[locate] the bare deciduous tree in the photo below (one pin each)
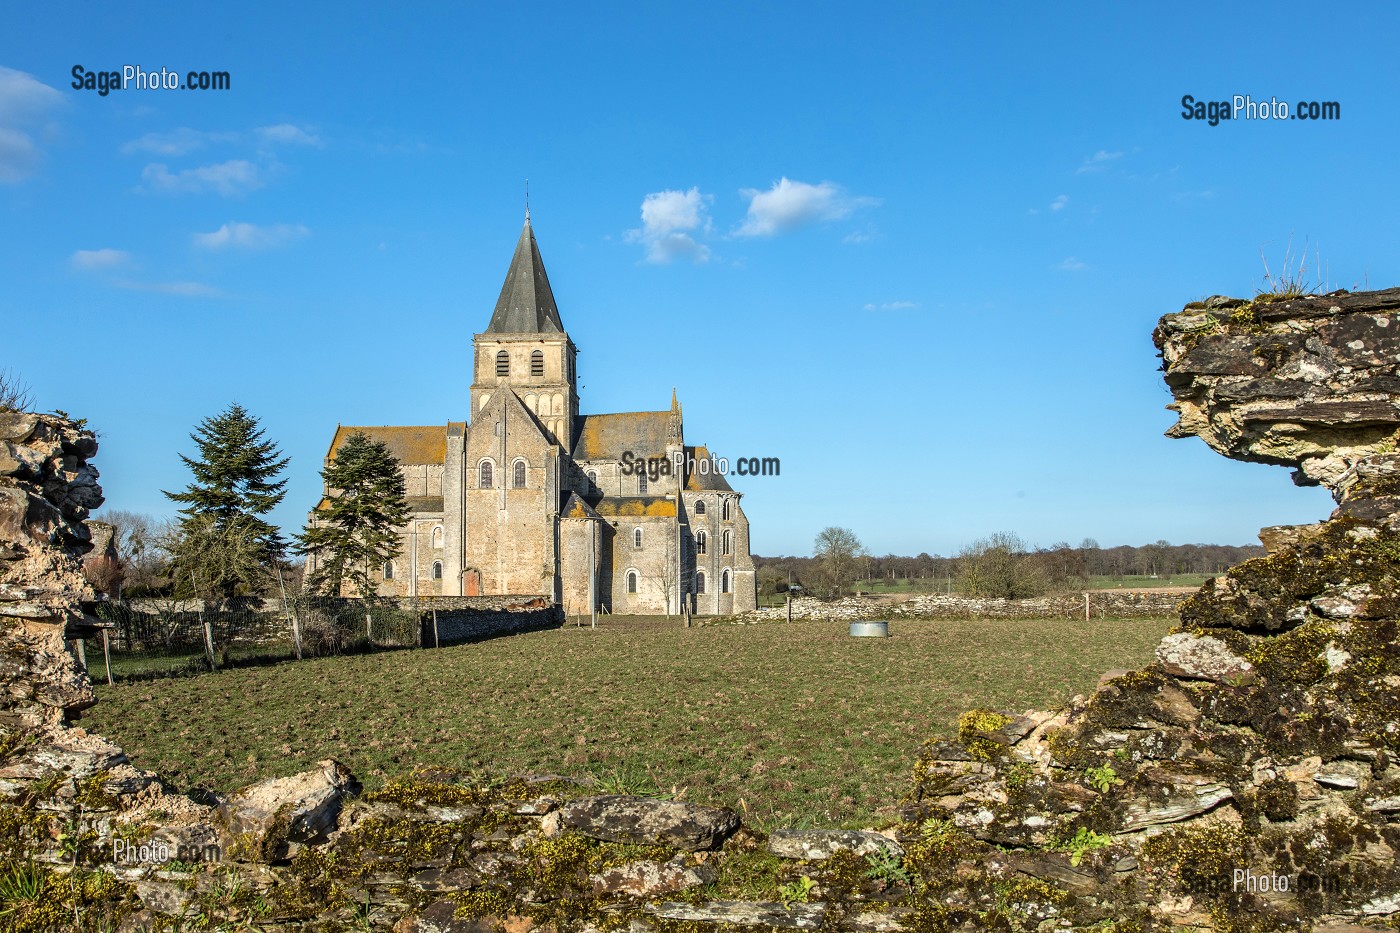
(1000, 565)
(15, 394)
(139, 541)
(839, 551)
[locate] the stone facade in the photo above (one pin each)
(529, 494)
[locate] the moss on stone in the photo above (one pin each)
(1196, 858)
(974, 732)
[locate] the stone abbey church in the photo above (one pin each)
(530, 497)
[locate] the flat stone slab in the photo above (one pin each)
(1201, 657)
(1177, 797)
(818, 844)
(617, 818)
(650, 879)
(746, 914)
(274, 819)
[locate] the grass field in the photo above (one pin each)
(793, 724)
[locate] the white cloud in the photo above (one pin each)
(235, 176)
(891, 306)
(93, 259)
(25, 105)
(19, 156)
(1070, 264)
(184, 140)
(668, 220)
(289, 134)
(250, 236)
(177, 142)
(1059, 203)
(182, 289)
(792, 204)
(1098, 161)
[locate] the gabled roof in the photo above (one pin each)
(407, 444)
(526, 304)
(606, 437)
(577, 507)
(703, 482)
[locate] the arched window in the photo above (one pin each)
(593, 477)
(724, 510)
(485, 470)
(388, 570)
(518, 480)
(641, 484)
(437, 536)
(631, 581)
(700, 582)
(700, 507)
(537, 363)
(727, 542)
(701, 539)
(724, 582)
(503, 363)
(636, 537)
(437, 570)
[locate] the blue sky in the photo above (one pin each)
(916, 253)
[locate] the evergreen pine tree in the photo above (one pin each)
(356, 529)
(224, 545)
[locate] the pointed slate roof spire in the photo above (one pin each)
(526, 305)
(673, 420)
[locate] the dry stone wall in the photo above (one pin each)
(1245, 781)
(936, 606)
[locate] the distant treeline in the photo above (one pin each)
(1059, 565)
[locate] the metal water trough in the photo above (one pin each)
(870, 629)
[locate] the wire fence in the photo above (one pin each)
(152, 638)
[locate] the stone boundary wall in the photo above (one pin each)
(460, 619)
(1103, 604)
(155, 604)
(458, 626)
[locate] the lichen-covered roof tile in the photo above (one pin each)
(576, 507)
(637, 507)
(607, 437)
(703, 482)
(407, 444)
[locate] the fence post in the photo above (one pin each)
(291, 617)
(1086, 607)
(107, 656)
(437, 641)
(208, 638)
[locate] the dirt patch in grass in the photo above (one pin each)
(792, 724)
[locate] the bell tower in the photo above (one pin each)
(525, 348)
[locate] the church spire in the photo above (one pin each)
(526, 304)
(673, 422)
